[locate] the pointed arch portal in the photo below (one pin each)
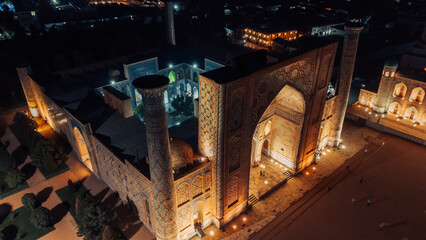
(82, 148)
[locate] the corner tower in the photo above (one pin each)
(352, 31)
(160, 165)
(384, 93)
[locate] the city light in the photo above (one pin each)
(235, 226)
(266, 181)
(343, 146)
(314, 168)
(195, 65)
(307, 173)
(244, 219)
(211, 233)
(170, 65)
(112, 82)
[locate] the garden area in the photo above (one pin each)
(94, 222)
(31, 221)
(45, 154)
(12, 179)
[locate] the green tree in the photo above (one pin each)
(41, 218)
(91, 217)
(184, 105)
(45, 154)
(7, 163)
(109, 233)
(24, 128)
(29, 200)
(14, 178)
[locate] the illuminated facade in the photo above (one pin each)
(182, 179)
(264, 39)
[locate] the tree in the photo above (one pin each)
(109, 233)
(41, 217)
(45, 154)
(24, 128)
(91, 217)
(184, 105)
(29, 200)
(14, 178)
(7, 163)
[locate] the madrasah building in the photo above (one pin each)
(395, 104)
(181, 178)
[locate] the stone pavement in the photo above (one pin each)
(45, 191)
(354, 139)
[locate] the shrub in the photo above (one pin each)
(14, 178)
(41, 217)
(45, 154)
(7, 163)
(24, 128)
(29, 200)
(91, 217)
(109, 233)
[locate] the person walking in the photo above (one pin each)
(353, 200)
(361, 179)
(368, 202)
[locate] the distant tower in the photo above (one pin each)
(160, 165)
(384, 93)
(352, 31)
(170, 23)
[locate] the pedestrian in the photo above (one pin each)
(361, 179)
(368, 202)
(328, 189)
(353, 200)
(347, 166)
(260, 172)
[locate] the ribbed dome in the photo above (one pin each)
(181, 153)
(391, 63)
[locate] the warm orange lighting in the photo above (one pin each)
(314, 168)
(244, 219)
(235, 226)
(307, 173)
(266, 181)
(211, 233)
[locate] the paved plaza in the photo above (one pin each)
(393, 179)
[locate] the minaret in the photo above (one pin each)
(384, 93)
(352, 31)
(170, 23)
(160, 166)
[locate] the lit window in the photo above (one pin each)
(33, 13)
(386, 74)
(392, 74)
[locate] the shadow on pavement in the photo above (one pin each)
(10, 232)
(44, 194)
(126, 220)
(101, 195)
(59, 211)
(5, 209)
(29, 170)
(20, 154)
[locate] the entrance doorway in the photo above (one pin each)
(275, 142)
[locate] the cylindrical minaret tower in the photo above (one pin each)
(157, 137)
(384, 93)
(170, 23)
(352, 31)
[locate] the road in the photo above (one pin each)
(394, 179)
